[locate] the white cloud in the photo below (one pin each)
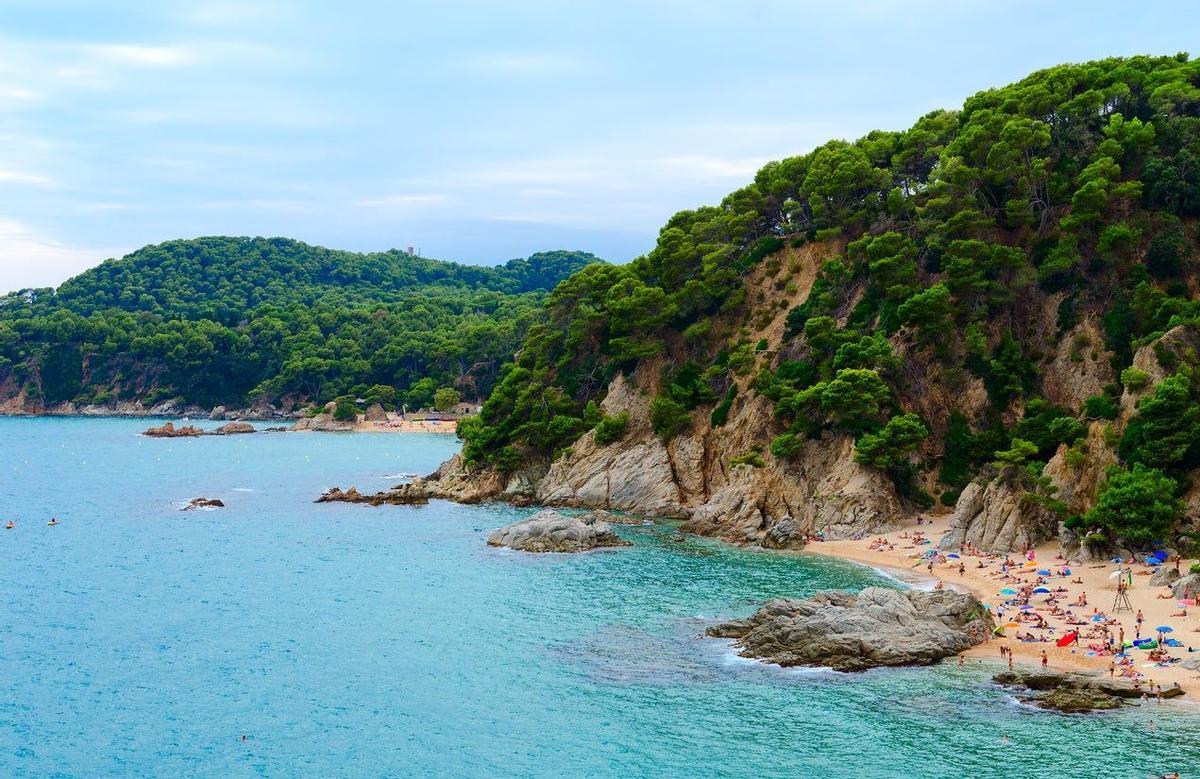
(30, 259)
(31, 179)
(716, 167)
(403, 200)
(140, 55)
(522, 64)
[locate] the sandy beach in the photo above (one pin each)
(444, 426)
(901, 555)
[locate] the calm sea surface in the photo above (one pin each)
(341, 640)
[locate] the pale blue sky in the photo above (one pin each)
(478, 131)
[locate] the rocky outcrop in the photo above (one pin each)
(217, 414)
(410, 494)
(375, 413)
(1165, 576)
(168, 430)
(784, 533)
(453, 480)
(1080, 366)
(1072, 692)
(324, 423)
(1187, 586)
(234, 428)
(1180, 341)
(847, 632)
(998, 517)
(1079, 475)
(204, 503)
(550, 531)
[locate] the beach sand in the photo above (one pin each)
(986, 583)
(444, 426)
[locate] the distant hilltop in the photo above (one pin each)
(245, 322)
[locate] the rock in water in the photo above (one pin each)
(847, 632)
(168, 430)
(550, 531)
(401, 495)
(201, 503)
(234, 428)
(1074, 693)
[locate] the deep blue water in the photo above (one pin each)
(345, 640)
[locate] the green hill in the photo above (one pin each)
(238, 320)
(969, 291)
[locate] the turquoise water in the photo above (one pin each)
(344, 640)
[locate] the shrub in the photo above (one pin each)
(345, 409)
(721, 413)
(668, 417)
(1139, 505)
(752, 458)
(786, 445)
(1134, 378)
(892, 445)
(1100, 407)
(610, 429)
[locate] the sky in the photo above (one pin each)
(473, 131)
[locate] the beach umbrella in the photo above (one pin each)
(1115, 574)
(1043, 572)
(1030, 564)
(1008, 591)
(1164, 629)
(1098, 618)
(1027, 608)
(1041, 590)
(952, 556)
(1160, 555)
(1066, 571)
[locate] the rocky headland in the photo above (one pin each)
(1073, 692)
(849, 632)
(400, 495)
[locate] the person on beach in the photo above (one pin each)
(1045, 659)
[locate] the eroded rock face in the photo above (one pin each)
(1079, 482)
(550, 531)
(1186, 587)
(847, 632)
(998, 518)
(1074, 693)
(375, 413)
(411, 494)
(323, 423)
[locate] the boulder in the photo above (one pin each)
(550, 531)
(847, 632)
(783, 534)
(1187, 586)
(234, 428)
(323, 423)
(375, 413)
(217, 414)
(168, 430)
(411, 494)
(1165, 576)
(200, 503)
(600, 515)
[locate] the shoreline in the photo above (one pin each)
(984, 583)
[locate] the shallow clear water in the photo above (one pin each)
(348, 640)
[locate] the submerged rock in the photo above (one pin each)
(1073, 692)
(400, 495)
(550, 531)
(847, 632)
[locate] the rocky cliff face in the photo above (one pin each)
(821, 489)
(999, 517)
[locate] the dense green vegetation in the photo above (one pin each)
(1076, 189)
(237, 320)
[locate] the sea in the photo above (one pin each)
(280, 637)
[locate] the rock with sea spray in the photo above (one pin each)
(848, 632)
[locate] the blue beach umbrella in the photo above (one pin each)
(1027, 608)
(1164, 629)
(1008, 591)
(952, 556)
(1043, 572)
(1041, 590)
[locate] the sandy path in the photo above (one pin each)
(1101, 591)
